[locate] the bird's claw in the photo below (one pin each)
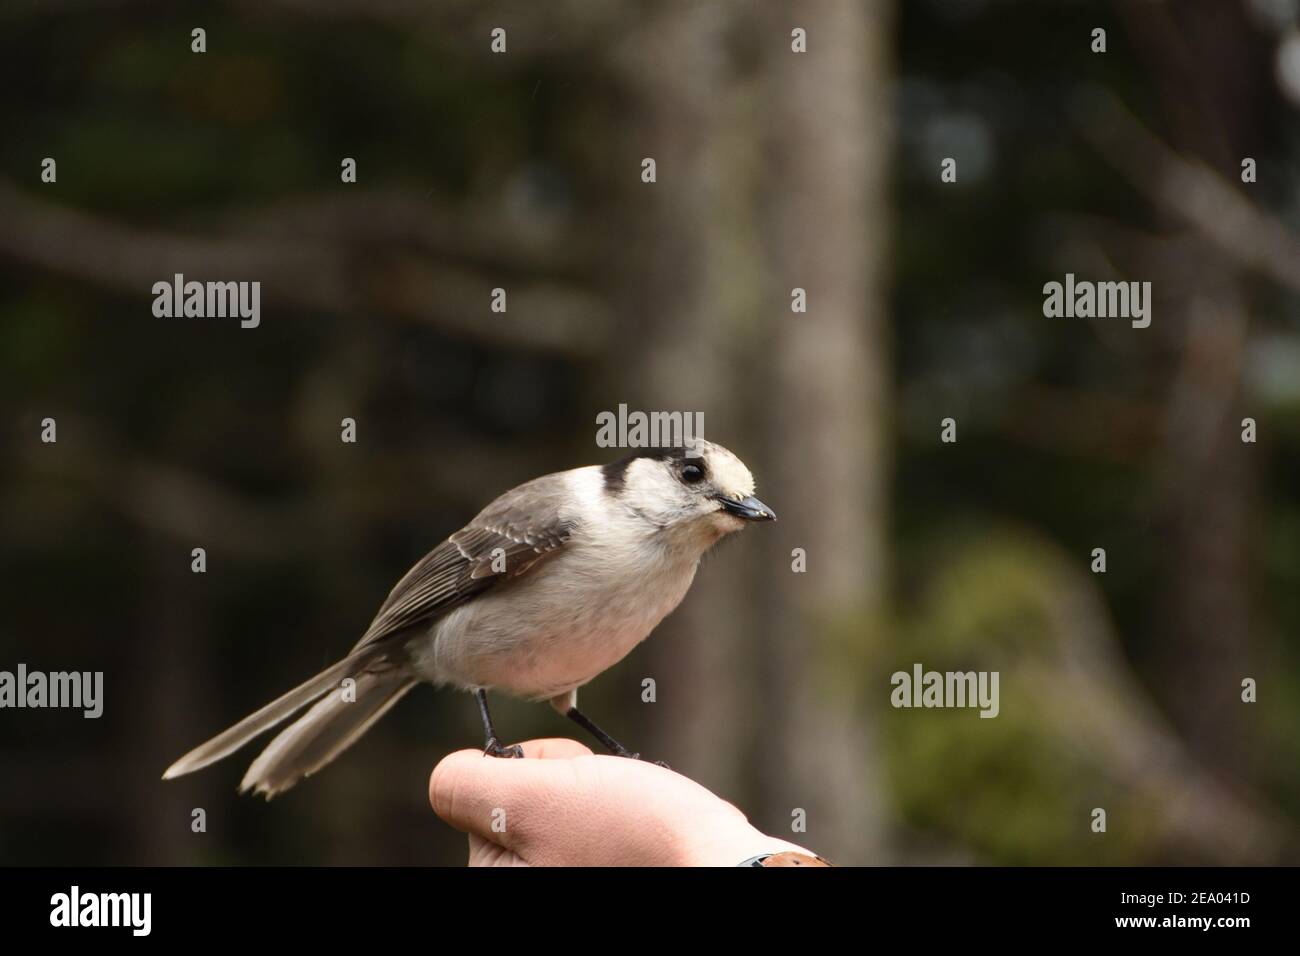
(495, 748)
(631, 756)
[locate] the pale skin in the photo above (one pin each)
(565, 806)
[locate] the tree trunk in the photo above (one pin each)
(829, 136)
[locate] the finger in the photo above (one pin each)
(555, 748)
(460, 778)
(484, 853)
(492, 796)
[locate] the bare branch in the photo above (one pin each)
(1191, 191)
(334, 268)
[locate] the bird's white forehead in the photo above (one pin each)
(728, 472)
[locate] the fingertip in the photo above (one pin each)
(445, 778)
(467, 785)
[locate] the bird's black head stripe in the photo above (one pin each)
(616, 471)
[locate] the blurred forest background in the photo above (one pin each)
(775, 170)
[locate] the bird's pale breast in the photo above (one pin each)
(547, 633)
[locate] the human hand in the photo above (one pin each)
(564, 806)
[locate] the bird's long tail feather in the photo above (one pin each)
(339, 716)
(331, 726)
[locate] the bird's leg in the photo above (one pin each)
(612, 745)
(493, 746)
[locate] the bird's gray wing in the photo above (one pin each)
(508, 538)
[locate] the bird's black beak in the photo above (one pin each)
(751, 509)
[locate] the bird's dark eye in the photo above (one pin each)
(692, 473)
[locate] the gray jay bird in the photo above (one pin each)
(551, 584)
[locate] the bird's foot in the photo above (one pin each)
(624, 752)
(495, 748)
